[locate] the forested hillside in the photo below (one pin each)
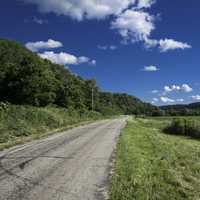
(26, 79)
(179, 110)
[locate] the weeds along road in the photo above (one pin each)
(72, 165)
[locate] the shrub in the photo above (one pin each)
(185, 127)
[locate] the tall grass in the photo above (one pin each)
(186, 127)
(151, 165)
(21, 121)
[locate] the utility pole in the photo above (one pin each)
(92, 98)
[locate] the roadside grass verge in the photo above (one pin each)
(19, 124)
(151, 165)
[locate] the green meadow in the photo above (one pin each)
(151, 164)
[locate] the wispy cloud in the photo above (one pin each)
(150, 68)
(39, 20)
(105, 47)
(36, 20)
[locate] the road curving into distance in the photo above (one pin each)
(72, 165)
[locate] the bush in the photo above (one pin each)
(185, 127)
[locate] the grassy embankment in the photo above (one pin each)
(151, 165)
(19, 124)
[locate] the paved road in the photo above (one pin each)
(73, 165)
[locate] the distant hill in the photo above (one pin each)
(26, 79)
(182, 109)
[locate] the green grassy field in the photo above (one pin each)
(151, 165)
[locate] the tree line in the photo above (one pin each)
(192, 109)
(26, 79)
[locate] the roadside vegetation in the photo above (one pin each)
(22, 123)
(153, 165)
(184, 126)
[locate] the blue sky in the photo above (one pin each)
(147, 48)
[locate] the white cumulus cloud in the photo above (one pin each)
(130, 18)
(180, 100)
(59, 58)
(172, 88)
(184, 88)
(137, 25)
(80, 9)
(166, 100)
(166, 44)
(154, 91)
(196, 97)
(134, 25)
(36, 46)
(170, 44)
(155, 100)
(90, 9)
(63, 58)
(93, 62)
(145, 3)
(150, 68)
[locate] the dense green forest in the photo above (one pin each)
(26, 79)
(192, 109)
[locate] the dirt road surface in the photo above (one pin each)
(72, 165)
